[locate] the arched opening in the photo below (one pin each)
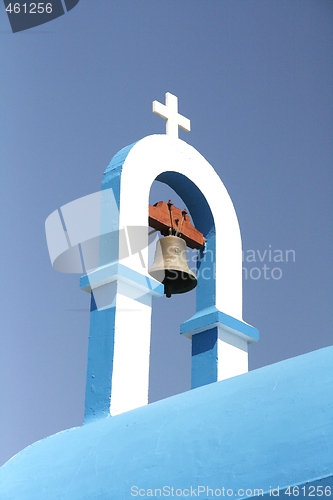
(170, 352)
(170, 355)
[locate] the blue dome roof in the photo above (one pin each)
(270, 427)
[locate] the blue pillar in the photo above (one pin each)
(100, 361)
(204, 358)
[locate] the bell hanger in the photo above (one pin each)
(170, 265)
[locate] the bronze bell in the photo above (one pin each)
(170, 266)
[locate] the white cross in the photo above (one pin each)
(169, 111)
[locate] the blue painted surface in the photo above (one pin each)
(111, 178)
(204, 358)
(100, 360)
(265, 429)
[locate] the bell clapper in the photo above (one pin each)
(170, 205)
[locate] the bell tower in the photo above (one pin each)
(115, 260)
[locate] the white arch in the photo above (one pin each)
(129, 289)
(155, 154)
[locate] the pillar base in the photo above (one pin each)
(219, 345)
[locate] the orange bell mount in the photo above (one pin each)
(165, 216)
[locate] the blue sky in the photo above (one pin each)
(255, 78)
